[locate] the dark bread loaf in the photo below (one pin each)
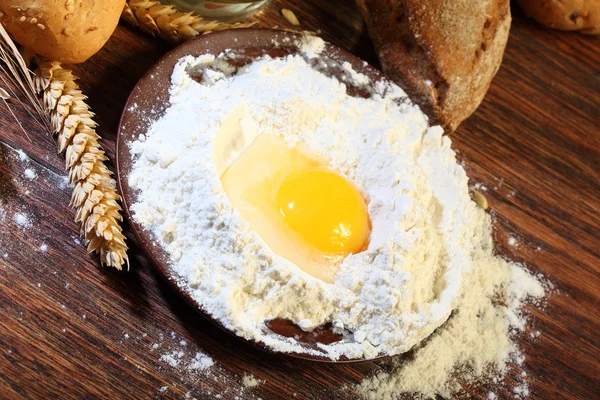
(443, 53)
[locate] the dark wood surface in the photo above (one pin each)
(70, 329)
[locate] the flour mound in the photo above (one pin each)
(385, 299)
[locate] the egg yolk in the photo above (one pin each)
(307, 214)
(326, 209)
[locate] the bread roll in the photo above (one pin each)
(443, 53)
(69, 31)
(566, 15)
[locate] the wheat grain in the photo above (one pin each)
(480, 199)
(166, 22)
(94, 195)
(4, 94)
(290, 16)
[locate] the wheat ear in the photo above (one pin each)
(94, 195)
(170, 24)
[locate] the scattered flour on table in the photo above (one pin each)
(172, 358)
(176, 358)
(477, 344)
(250, 381)
(21, 155)
(200, 362)
(22, 219)
(63, 182)
(30, 174)
(189, 362)
(178, 353)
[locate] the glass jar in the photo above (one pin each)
(224, 10)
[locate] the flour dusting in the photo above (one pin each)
(30, 174)
(22, 156)
(250, 381)
(22, 219)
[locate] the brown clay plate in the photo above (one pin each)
(148, 101)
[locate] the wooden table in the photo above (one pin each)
(71, 329)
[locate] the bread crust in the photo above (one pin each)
(566, 15)
(443, 53)
(69, 31)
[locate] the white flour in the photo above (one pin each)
(250, 381)
(30, 174)
(22, 219)
(385, 299)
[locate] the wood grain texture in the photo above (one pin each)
(70, 329)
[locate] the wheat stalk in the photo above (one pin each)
(65, 112)
(13, 65)
(94, 195)
(167, 22)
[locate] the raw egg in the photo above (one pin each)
(326, 209)
(306, 213)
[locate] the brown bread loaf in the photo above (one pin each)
(443, 53)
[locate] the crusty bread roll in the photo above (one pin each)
(70, 31)
(443, 53)
(566, 15)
